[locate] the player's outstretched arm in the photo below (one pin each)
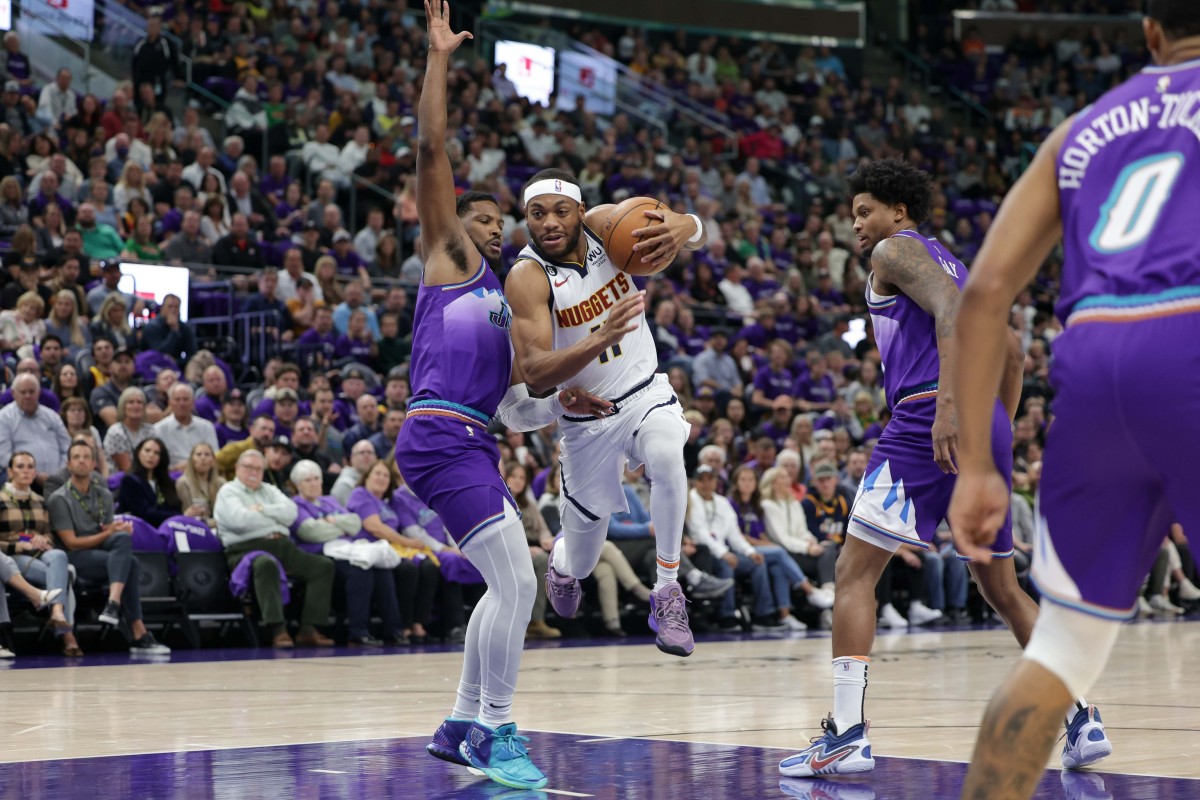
(905, 264)
(440, 226)
(520, 412)
(1027, 227)
(533, 329)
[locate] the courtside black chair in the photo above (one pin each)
(202, 579)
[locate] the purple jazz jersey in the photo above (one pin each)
(1128, 192)
(905, 332)
(904, 496)
(1119, 466)
(461, 368)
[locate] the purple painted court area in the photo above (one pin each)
(623, 769)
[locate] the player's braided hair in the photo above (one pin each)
(893, 182)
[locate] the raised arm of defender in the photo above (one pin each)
(442, 233)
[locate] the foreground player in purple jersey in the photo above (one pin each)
(913, 294)
(462, 375)
(1118, 183)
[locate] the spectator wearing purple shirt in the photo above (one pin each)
(273, 185)
(774, 379)
(287, 411)
(349, 263)
(212, 394)
(232, 427)
(761, 333)
(16, 63)
(357, 342)
(778, 426)
(354, 386)
(828, 298)
(815, 391)
(756, 280)
(317, 345)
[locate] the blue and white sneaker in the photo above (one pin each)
(1086, 742)
(501, 755)
(446, 739)
(825, 790)
(833, 753)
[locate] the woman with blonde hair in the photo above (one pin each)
(24, 245)
(130, 429)
(64, 322)
(325, 271)
(23, 327)
(131, 184)
(197, 487)
(112, 322)
(13, 211)
(787, 526)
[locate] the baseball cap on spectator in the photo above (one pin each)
(29, 263)
(311, 225)
(399, 371)
(286, 396)
(12, 86)
(705, 470)
(281, 441)
(407, 121)
(824, 470)
(122, 351)
(821, 434)
(816, 121)
(354, 372)
(705, 393)
(823, 273)
(341, 236)
(235, 396)
(110, 264)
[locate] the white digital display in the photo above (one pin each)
(152, 283)
(594, 79)
(530, 67)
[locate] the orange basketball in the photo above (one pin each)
(618, 238)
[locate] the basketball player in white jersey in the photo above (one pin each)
(577, 318)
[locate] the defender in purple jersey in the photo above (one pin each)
(463, 375)
(1118, 182)
(913, 293)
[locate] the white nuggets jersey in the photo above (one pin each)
(581, 298)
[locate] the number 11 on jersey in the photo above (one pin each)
(615, 349)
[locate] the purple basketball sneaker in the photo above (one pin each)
(446, 739)
(668, 619)
(564, 592)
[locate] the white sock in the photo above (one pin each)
(466, 702)
(495, 711)
(849, 689)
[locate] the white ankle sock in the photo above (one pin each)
(849, 689)
(466, 702)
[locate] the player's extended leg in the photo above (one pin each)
(1086, 741)
(575, 554)
(844, 747)
(1064, 658)
(495, 638)
(658, 444)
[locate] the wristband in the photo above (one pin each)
(699, 234)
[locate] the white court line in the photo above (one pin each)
(601, 739)
(31, 730)
(330, 771)
(565, 793)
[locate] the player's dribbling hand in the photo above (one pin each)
(977, 510)
(584, 404)
(626, 317)
(660, 243)
(441, 38)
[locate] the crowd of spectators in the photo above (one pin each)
(122, 419)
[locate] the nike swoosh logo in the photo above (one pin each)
(818, 763)
(563, 282)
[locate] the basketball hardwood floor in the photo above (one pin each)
(612, 721)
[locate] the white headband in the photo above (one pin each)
(553, 186)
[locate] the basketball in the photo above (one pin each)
(618, 238)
